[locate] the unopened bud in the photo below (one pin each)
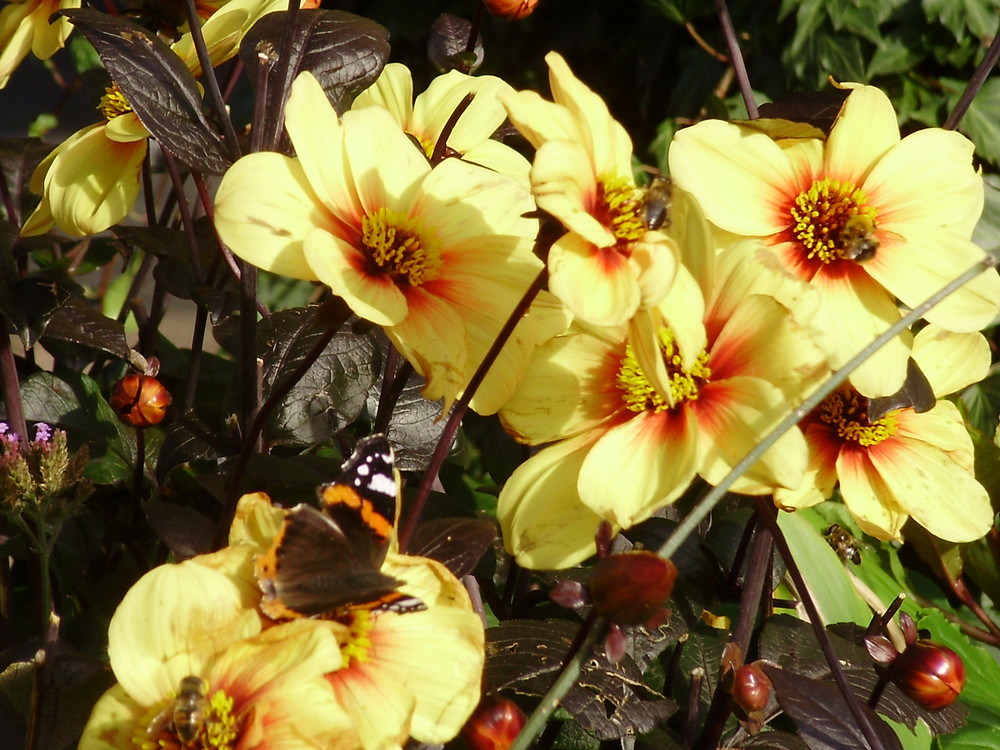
(140, 400)
(751, 688)
(631, 588)
(931, 674)
(493, 725)
(511, 10)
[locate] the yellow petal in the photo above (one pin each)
(92, 184)
(654, 261)
(434, 108)
(568, 388)
(538, 120)
(256, 522)
(929, 259)
(951, 361)
(928, 179)
(393, 91)
(865, 494)
(733, 416)
(114, 721)
(864, 131)
(544, 523)
(605, 139)
(565, 184)
(853, 311)
(385, 166)
(170, 624)
(264, 208)
(339, 265)
(598, 285)
(940, 495)
(435, 656)
(125, 128)
(318, 137)
(740, 178)
(654, 460)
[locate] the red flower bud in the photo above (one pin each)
(631, 588)
(512, 10)
(493, 725)
(140, 400)
(751, 688)
(931, 674)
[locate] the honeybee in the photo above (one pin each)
(186, 715)
(843, 543)
(656, 202)
(857, 239)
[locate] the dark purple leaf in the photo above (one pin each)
(185, 531)
(818, 108)
(447, 45)
(80, 322)
(456, 543)
(821, 715)
(343, 51)
(157, 85)
(609, 700)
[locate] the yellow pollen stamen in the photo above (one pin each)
(639, 394)
(827, 217)
(401, 247)
(113, 103)
(846, 412)
(222, 728)
(359, 644)
(619, 207)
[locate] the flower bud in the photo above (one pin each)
(631, 588)
(493, 725)
(751, 688)
(931, 674)
(140, 400)
(511, 10)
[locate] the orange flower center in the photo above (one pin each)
(619, 207)
(640, 395)
(113, 103)
(833, 221)
(191, 721)
(846, 412)
(401, 247)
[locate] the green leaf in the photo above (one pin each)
(987, 232)
(981, 123)
(840, 56)
(74, 402)
(835, 595)
(892, 56)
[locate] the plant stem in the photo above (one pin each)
(458, 411)
(974, 85)
(736, 55)
(336, 313)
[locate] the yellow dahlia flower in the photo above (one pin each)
(438, 257)
(866, 217)
(903, 464)
(25, 27)
(630, 438)
(195, 670)
(406, 675)
(608, 265)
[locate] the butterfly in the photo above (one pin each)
(327, 563)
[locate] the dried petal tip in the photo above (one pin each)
(494, 724)
(140, 400)
(512, 10)
(631, 588)
(931, 674)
